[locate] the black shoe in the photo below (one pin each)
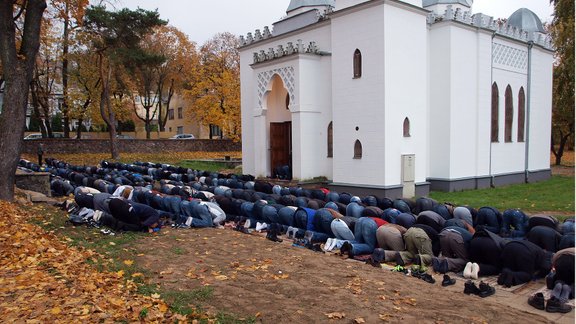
(537, 301)
(470, 288)
(346, 249)
(273, 237)
(374, 263)
(486, 290)
(428, 278)
(447, 281)
(555, 305)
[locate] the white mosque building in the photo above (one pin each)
(398, 97)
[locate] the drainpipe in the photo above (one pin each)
(491, 83)
(527, 126)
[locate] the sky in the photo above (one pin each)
(202, 19)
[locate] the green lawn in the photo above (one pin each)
(554, 196)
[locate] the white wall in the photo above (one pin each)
(508, 157)
(540, 109)
(406, 86)
(312, 92)
(358, 102)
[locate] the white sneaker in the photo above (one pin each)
(247, 223)
(474, 271)
(188, 221)
(327, 244)
(261, 226)
(467, 273)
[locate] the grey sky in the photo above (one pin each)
(202, 19)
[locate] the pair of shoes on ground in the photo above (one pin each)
(471, 271)
(373, 262)
(447, 281)
(261, 226)
(424, 276)
(291, 232)
(553, 305)
(483, 290)
(330, 244)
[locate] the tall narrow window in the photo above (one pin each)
(509, 114)
(357, 150)
(495, 120)
(170, 114)
(330, 137)
(521, 114)
(357, 64)
(406, 127)
(180, 113)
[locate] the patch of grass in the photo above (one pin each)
(181, 301)
(555, 196)
(178, 250)
(205, 165)
(225, 318)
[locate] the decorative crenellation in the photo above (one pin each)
(286, 74)
(488, 22)
(257, 36)
(289, 49)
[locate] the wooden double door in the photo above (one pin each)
(280, 145)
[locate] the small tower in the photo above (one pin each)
(300, 6)
(440, 6)
(526, 20)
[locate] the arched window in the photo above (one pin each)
(330, 136)
(406, 127)
(357, 64)
(357, 150)
(509, 114)
(495, 120)
(521, 114)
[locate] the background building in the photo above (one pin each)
(398, 96)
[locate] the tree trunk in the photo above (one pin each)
(12, 126)
(17, 68)
(65, 46)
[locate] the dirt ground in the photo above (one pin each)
(281, 283)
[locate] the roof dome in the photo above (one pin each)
(427, 3)
(526, 20)
(295, 4)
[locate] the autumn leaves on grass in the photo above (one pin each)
(43, 279)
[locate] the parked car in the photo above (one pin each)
(183, 136)
(33, 136)
(122, 136)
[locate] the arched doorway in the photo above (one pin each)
(277, 101)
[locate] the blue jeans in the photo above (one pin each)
(489, 218)
(332, 196)
(247, 209)
(270, 214)
(406, 220)
(568, 226)
(323, 221)
(341, 230)
(286, 216)
(390, 215)
(354, 209)
(514, 223)
(365, 236)
(304, 218)
(172, 204)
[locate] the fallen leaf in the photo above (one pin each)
(128, 262)
(336, 315)
(155, 295)
(359, 320)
